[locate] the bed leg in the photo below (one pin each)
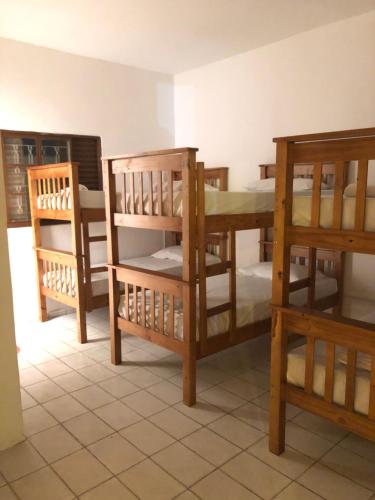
(115, 335)
(278, 377)
(81, 325)
(189, 381)
(43, 308)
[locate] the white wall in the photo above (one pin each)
(48, 91)
(317, 81)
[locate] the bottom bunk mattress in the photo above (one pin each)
(253, 303)
(296, 375)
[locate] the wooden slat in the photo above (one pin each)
(150, 280)
(309, 365)
(132, 193)
(161, 312)
(338, 194)
(213, 311)
(201, 257)
(150, 194)
(360, 201)
(140, 192)
(351, 368)
(238, 222)
(333, 239)
(143, 307)
(171, 316)
(312, 275)
(315, 198)
(170, 194)
(94, 239)
(330, 372)
(152, 306)
(371, 410)
(127, 301)
(135, 304)
(123, 194)
(156, 223)
(159, 192)
(232, 283)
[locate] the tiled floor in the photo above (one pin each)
(97, 431)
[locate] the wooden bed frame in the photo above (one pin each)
(194, 227)
(50, 181)
(338, 148)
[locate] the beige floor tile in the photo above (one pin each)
(116, 453)
(19, 461)
(292, 463)
(210, 374)
(98, 355)
(22, 362)
(42, 485)
(88, 428)
(59, 349)
(93, 397)
(54, 443)
(321, 426)
(202, 412)
(141, 377)
(144, 403)
(72, 381)
(306, 442)
(26, 400)
(218, 485)
(81, 471)
(150, 482)
(174, 423)
(166, 367)
(45, 390)
(118, 387)
(64, 408)
(201, 386)
(256, 475)
(253, 415)
(167, 392)
(37, 355)
(185, 465)
(96, 373)
(297, 492)
(236, 431)
(254, 377)
(117, 415)
(2, 480)
(37, 419)
(241, 388)
(121, 369)
(210, 446)
(362, 447)
(264, 402)
(7, 494)
(54, 368)
(77, 360)
(223, 399)
(139, 356)
(29, 376)
(110, 490)
(332, 486)
(352, 466)
(147, 437)
(187, 495)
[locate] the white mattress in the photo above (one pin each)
(296, 376)
(253, 300)
(87, 199)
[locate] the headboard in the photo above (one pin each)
(328, 261)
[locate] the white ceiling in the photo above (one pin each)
(166, 35)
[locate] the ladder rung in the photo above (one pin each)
(92, 239)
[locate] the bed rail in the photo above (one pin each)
(353, 338)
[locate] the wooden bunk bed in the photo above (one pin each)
(67, 277)
(148, 200)
(333, 374)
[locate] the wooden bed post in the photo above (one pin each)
(109, 183)
(35, 224)
(280, 296)
(188, 275)
(77, 252)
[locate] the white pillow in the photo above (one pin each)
(81, 187)
(351, 191)
(264, 270)
(299, 184)
(175, 253)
